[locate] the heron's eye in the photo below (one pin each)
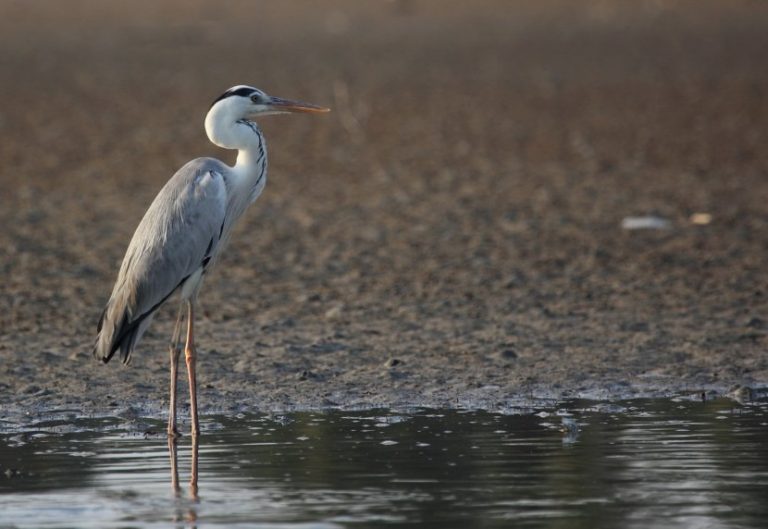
(255, 99)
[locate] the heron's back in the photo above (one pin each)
(177, 236)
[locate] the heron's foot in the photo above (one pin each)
(173, 432)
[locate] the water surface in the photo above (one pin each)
(668, 463)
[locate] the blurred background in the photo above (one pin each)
(459, 211)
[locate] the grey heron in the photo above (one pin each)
(184, 231)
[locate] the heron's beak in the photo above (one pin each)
(286, 105)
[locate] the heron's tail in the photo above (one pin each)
(117, 330)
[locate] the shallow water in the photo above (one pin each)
(668, 463)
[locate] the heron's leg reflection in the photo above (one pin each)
(175, 351)
(174, 455)
(191, 511)
(193, 478)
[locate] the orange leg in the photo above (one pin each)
(190, 354)
(175, 351)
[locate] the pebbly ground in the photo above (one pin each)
(449, 236)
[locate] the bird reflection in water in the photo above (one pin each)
(180, 237)
(173, 451)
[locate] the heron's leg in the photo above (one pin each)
(189, 353)
(175, 350)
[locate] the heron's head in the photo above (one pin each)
(228, 120)
(246, 102)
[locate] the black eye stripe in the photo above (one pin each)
(244, 91)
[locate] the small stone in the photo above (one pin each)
(647, 222)
(305, 375)
(756, 323)
(508, 354)
(392, 362)
(701, 219)
(334, 312)
(741, 394)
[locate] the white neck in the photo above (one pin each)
(249, 160)
(228, 129)
(224, 128)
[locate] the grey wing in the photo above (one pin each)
(176, 238)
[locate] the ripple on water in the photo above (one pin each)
(663, 463)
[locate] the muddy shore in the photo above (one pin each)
(451, 235)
